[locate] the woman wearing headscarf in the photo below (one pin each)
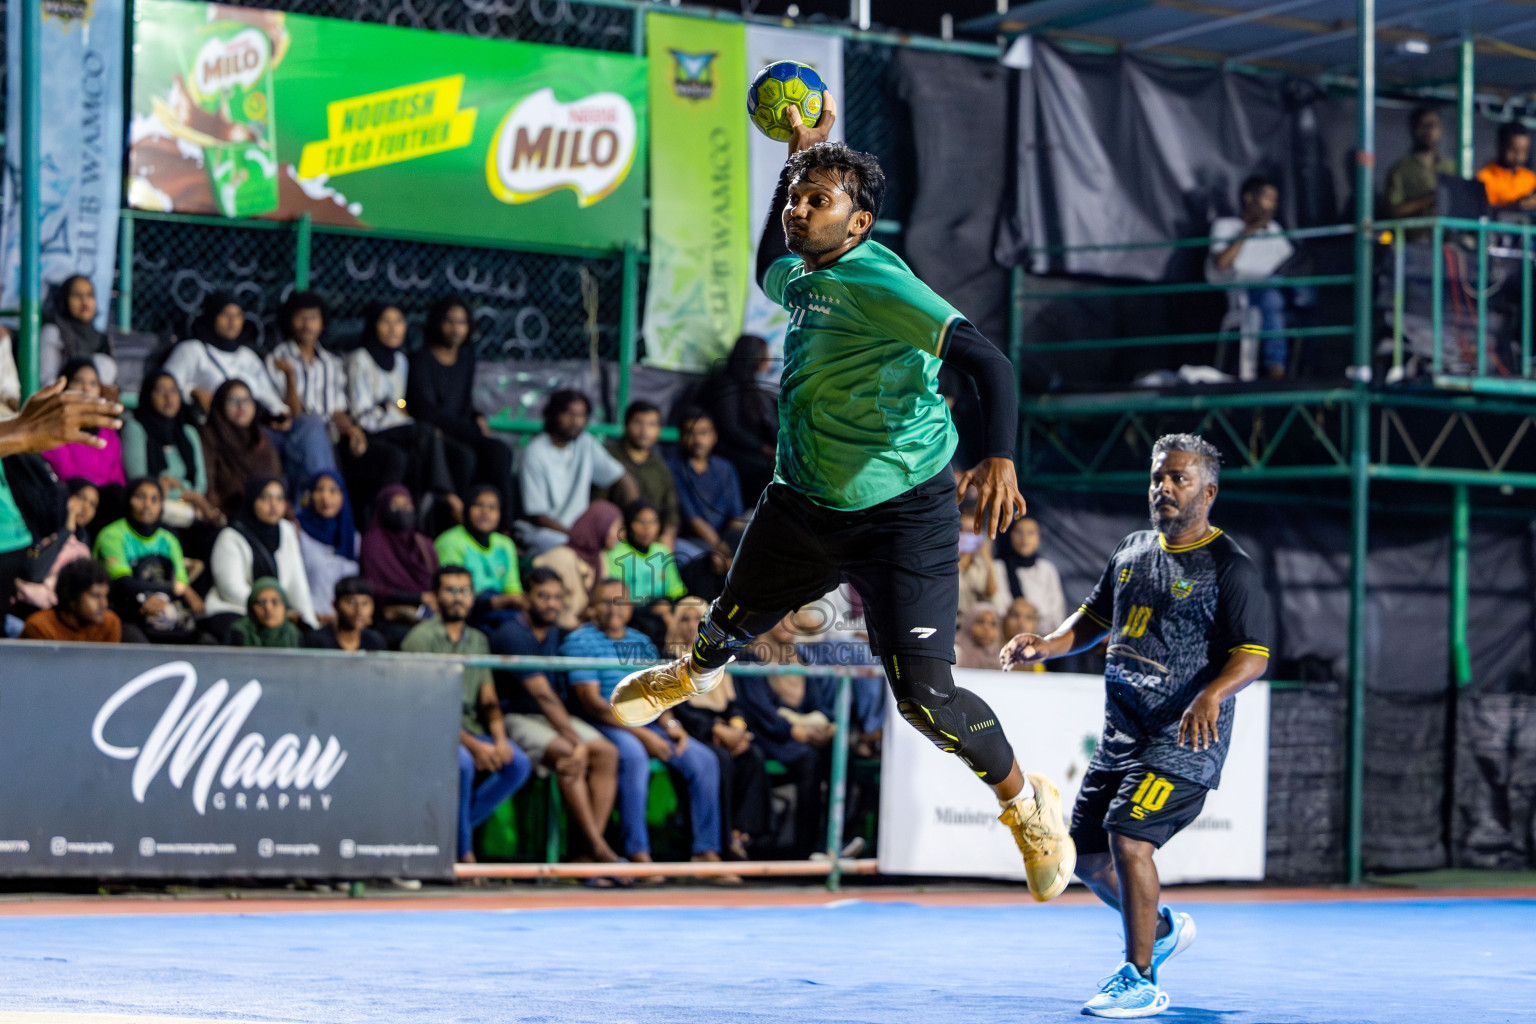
(377, 377)
(327, 538)
(746, 414)
(57, 517)
(150, 589)
(159, 442)
(258, 542)
(265, 623)
(977, 641)
(70, 333)
(221, 349)
(398, 560)
(101, 466)
(441, 392)
(236, 450)
(489, 555)
(582, 561)
(1028, 574)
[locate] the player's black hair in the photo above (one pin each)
(637, 408)
(1253, 183)
(1420, 112)
(540, 575)
(1509, 131)
(297, 303)
(1208, 454)
(443, 571)
(858, 173)
(75, 578)
(559, 402)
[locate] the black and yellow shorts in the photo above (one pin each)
(1138, 803)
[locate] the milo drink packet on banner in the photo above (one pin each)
(230, 86)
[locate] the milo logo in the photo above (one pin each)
(223, 63)
(543, 145)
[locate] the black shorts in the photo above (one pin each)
(902, 556)
(1140, 804)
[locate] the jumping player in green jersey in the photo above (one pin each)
(1188, 620)
(863, 492)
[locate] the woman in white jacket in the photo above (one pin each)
(260, 542)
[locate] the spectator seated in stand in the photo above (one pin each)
(980, 580)
(399, 562)
(236, 449)
(378, 378)
(82, 614)
(352, 629)
(1511, 185)
(977, 641)
(220, 350)
(485, 752)
(1412, 184)
(1251, 247)
(160, 442)
(715, 719)
(585, 764)
(1027, 574)
(260, 542)
(102, 466)
(1022, 617)
(10, 378)
(62, 540)
(636, 452)
(559, 468)
(265, 623)
(328, 538)
(490, 557)
(70, 333)
(647, 569)
(441, 393)
(788, 714)
(608, 635)
(708, 492)
(583, 559)
(746, 414)
(151, 592)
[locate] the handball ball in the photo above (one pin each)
(776, 88)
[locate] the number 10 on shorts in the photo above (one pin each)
(1151, 795)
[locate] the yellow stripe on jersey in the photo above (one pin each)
(1181, 548)
(1251, 649)
(1096, 620)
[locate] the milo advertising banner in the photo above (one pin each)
(248, 113)
(701, 224)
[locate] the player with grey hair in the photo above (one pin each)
(1188, 621)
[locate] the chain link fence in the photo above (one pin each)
(556, 22)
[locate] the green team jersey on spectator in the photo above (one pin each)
(860, 416)
(492, 569)
(121, 550)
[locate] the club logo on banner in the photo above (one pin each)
(692, 80)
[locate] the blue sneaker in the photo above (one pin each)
(1127, 994)
(1181, 933)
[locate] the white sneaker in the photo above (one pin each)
(642, 696)
(1041, 835)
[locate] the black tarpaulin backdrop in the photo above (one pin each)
(1303, 553)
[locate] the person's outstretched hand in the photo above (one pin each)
(53, 417)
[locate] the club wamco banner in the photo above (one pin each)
(250, 113)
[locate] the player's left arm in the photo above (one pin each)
(996, 482)
(1242, 628)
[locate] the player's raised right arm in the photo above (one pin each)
(773, 246)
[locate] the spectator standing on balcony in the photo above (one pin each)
(1413, 181)
(636, 452)
(441, 393)
(353, 630)
(220, 350)
(70, 333)
(1510, 183)
(746, 414)
(1027, 574)
(485, 752)
(82, 614)
(708, 491)
(1252, 247)
(559, 468)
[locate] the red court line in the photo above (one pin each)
(574, 898)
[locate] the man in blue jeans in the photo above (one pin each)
(608, 636)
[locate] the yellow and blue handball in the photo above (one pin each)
(776, 88)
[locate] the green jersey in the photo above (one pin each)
(123, 551)
(492, 569)
(860, 417)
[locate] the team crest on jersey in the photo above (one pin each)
(1183, 588)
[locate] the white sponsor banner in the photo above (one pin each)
(937, 819)
(764, 46)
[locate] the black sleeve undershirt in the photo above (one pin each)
(972, 354)
(771, 245)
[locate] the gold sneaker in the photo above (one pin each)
(1050, 856)
(642, 696)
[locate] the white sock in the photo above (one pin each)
(1027, 793)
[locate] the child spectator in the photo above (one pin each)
(327, 538)
(70, 333)
(746, 415)
(636, 452)
(150, 589)
(708, 492)
(559, 468)
(490, 557)
(585, 764)
(101, 466)
(352, 630)
(1022, 617)
(159, 442)
(441, 393)
(398, 560)
(977, 641)
(260, 542)
(265, 623)
(483, 744)
(82, 614)
(1028, 575)
(235, 447)
(608, 635)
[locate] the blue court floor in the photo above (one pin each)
(1404, 962)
